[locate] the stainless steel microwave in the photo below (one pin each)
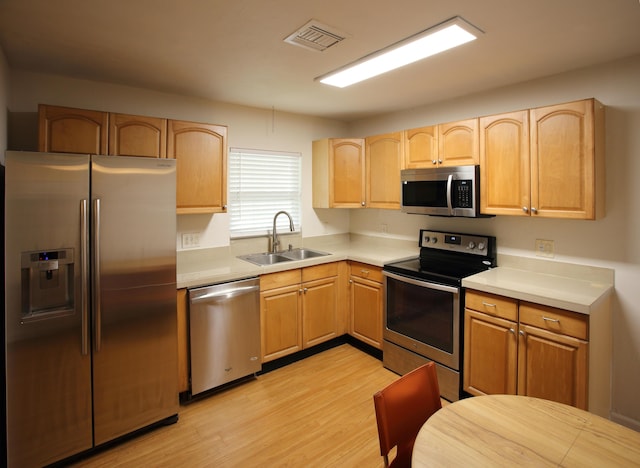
(442, 191)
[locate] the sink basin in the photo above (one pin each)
(302, 254)
(269, 258)
(266, 258)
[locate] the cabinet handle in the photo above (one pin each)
(549, 319)
(365, 272)
(300, 291)
(351, 281)
(304, 290)
(439, 161)
(534, 210)
(434, 161)
(511, 330)
(487, 304)
(362, 203)
(525, 209)
(521, 332)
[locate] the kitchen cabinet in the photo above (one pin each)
(339, 173)
(298, 309)
(201, 169)
(366, 303)
(517, 347)
(505, 174)
(383, 163)
(448, 144)
(567, 160)
(183, 342)
(546, 162)
(68, 130)
(135, 135)
(458, 143)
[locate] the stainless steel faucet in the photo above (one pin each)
(275, 242)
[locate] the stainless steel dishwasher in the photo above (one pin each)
(224, 330)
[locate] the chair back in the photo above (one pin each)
(402, 408)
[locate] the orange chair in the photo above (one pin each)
(402, 408)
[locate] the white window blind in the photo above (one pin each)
(261, 183)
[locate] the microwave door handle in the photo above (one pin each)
(449, 194)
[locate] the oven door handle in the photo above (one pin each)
(422, 283)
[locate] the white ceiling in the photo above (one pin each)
(233, 51)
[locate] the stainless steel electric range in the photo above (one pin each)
(424, 304)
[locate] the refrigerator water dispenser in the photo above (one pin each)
(47, 284)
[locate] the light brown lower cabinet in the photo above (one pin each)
(517, 347)
(366, 302)
(298, 309)
(183, 341)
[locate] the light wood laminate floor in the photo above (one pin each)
(317, 412)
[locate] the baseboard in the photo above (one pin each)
(626, 421)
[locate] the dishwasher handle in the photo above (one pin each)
(224, 294)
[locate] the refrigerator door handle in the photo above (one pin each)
(97, 315)
(84, 267)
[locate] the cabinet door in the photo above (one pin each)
(183, 342)
(505, 164)
(201, 171)
(563, 161)
(458, 143)
(421, 147)
(319, 311)
(280, 322)
(383, 156)
(366, 311)
(490, 364)
(346, 173)
(552, 366)
(134, 135)
(67, 130)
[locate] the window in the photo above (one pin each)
(261, 183)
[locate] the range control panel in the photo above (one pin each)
(465, 243)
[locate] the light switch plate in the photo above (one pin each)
(190, 240)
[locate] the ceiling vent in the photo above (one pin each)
(315, 36)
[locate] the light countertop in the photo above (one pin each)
(566, 286)
(220, 265)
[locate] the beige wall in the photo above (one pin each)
(611, 242)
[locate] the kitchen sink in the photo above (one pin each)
(302, 254)
(271, 258)
(265, 258)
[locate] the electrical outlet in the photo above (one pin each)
(544, 248)
(190, 240)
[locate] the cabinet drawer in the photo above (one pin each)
(498, 306)
(325, 270)
(555, 320)
(280, 279)
(363, 270)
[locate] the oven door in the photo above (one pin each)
(423, 317)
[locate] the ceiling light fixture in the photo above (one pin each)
(444, 36)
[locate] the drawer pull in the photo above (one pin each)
(365, 272)
(487, 304)
(511, 330)
(549, 319)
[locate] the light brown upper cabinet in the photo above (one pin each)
(567, 160)
(383, 162)
(458, 143)
(68, 130)
(421, 147)
(134, 135)
(201, 169)
(505, 174)
(339, 173)
(546, 162)
(449, 144)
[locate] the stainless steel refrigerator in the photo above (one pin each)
(90, 282)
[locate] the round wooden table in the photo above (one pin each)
(509, 430)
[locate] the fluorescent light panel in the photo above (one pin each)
(444, 36)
